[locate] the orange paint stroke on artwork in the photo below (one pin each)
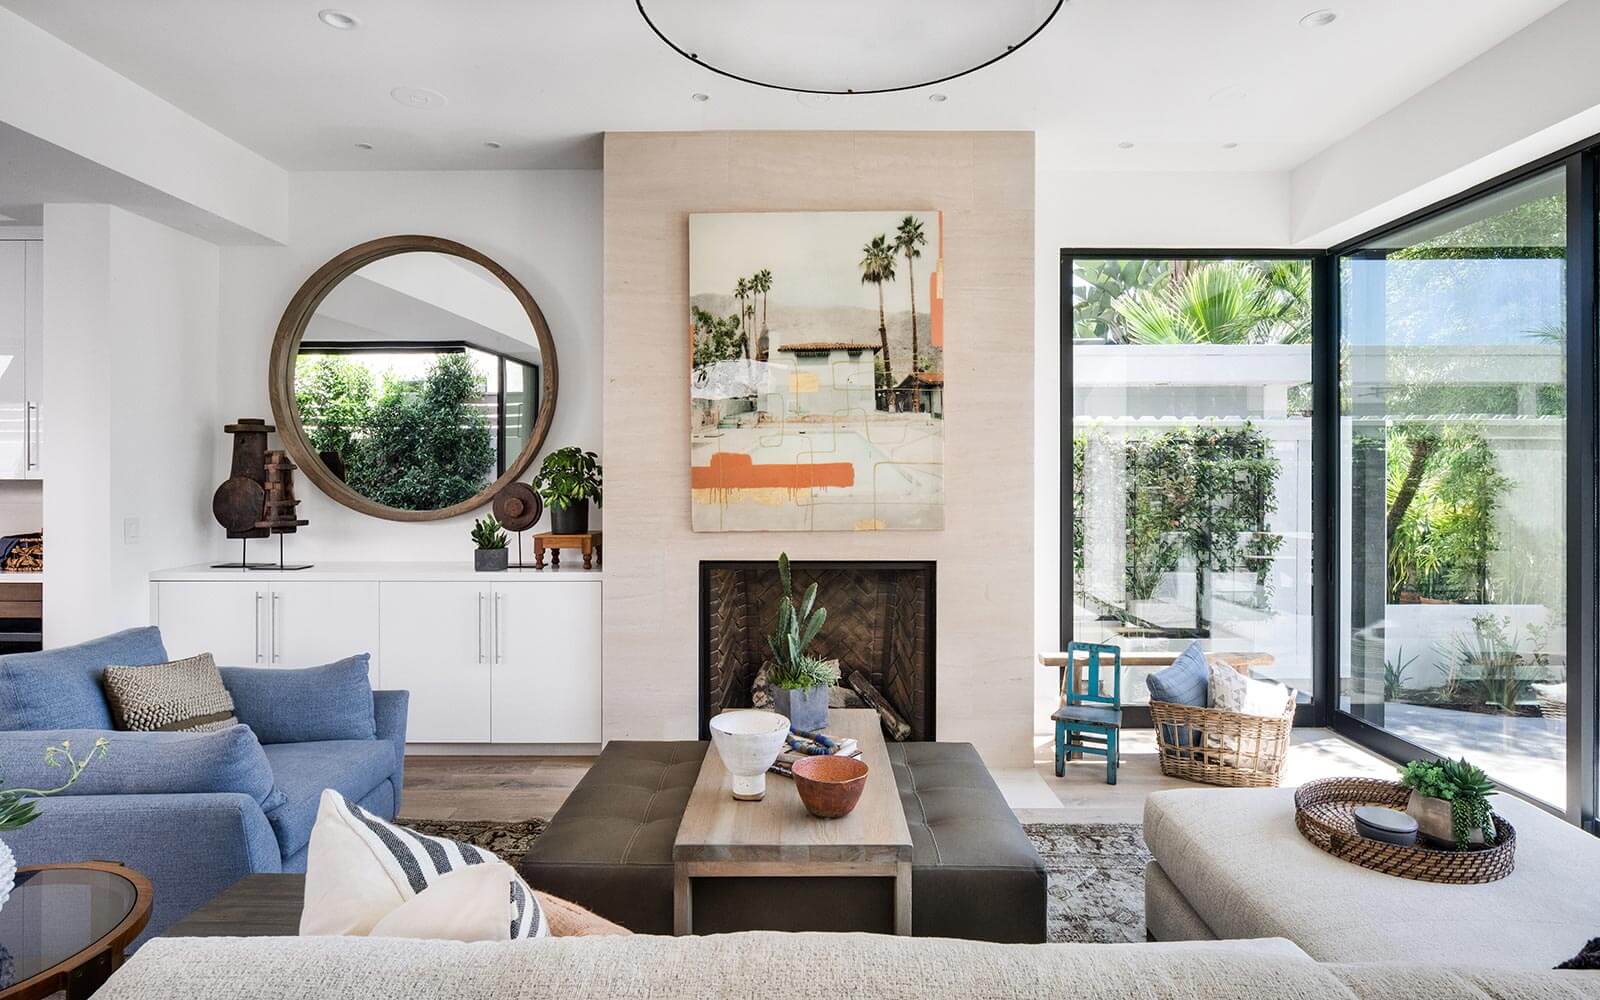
(732, 471)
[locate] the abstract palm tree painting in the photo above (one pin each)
(817, 354)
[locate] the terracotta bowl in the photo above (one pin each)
(829, 787)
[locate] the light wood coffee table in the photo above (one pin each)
(722, 837)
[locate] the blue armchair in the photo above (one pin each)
(196, 812)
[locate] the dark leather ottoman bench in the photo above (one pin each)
(974, 874)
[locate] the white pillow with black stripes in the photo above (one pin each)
(367, 877)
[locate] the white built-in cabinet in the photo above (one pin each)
(487, 657)
(21, 351)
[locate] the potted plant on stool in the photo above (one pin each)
(491, 541)
(800, 682)
(568, 479)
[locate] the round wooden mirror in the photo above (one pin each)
(412, 378)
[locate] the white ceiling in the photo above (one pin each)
(1177, 78)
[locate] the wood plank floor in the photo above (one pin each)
(511, 789)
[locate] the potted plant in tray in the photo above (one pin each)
(1450, 802)
(491, 541)
(568, 479)
(800, 682)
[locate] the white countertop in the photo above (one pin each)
(571, 569)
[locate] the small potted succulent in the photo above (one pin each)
(800, 681)
(1450, 802)
(17, 807)
(568, 479)
(491, 554)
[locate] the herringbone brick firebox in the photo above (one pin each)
(880, 622)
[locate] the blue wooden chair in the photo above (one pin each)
(1089, 722)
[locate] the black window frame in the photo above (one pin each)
(1581, 162)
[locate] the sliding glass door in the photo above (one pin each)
(1190, 479)
(1453, 444)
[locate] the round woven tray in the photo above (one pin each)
(1324, 811)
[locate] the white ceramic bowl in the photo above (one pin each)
(749, 740)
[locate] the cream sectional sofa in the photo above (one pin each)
(1229, 864)
(763, 964)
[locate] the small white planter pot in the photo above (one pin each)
(8, 873)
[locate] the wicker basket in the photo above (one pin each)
(1324, 811)
(1222, 748)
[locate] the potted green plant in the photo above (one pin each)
(800, 681)
(1450, 802)
(568, 479)
(17, 808)
(491, 541)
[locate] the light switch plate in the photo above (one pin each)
(130, 531)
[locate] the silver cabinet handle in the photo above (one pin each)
(499, 653)
(480, 626)
(258, 626)
(273, 632)
(27, 436)
(31, 434)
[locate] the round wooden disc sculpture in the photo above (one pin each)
(240, 501)
(517, 507)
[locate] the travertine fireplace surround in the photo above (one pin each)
(983, 182)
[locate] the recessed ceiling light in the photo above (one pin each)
(1319, 18)
(1124, 145)
(699, 98)
(1230, 145)
(491, 143)
(938, 98)
(418, 97)
(363, 145)
(338, 19)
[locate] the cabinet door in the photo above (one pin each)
(436, 645)
(317, 622)
(33, 361)
(13, 326)
(547, 662)
(227, 620)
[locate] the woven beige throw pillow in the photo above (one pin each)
(182, 696)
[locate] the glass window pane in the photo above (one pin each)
(1453, 442)
(1191, 434)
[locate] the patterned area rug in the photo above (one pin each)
(1096, 870)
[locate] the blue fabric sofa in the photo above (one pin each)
(195, 812)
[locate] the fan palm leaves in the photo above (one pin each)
(877, 267)
(1222, 302)
(761, 285)
(908, 239)
(742, 292)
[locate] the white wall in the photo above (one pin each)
(130, 393)
(542, 226)
(1532, 94)
(112, 139)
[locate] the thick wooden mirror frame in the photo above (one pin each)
(286, 345)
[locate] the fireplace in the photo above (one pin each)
(880, 622)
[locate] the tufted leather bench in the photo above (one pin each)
(975, 874)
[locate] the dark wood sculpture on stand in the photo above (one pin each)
(239, 501)
(257, 500)
(278, 512)
(517, 507)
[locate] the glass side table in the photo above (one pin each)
(66, 927)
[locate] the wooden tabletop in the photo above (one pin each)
(718, 828)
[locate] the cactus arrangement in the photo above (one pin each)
(794, 668)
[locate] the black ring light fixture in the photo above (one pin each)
(675, 24)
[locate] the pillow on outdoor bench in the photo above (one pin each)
(224, 760)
